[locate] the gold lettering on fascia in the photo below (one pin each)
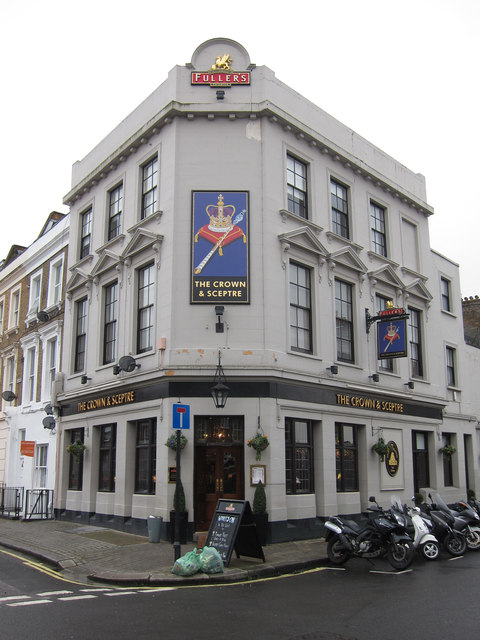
(361, 402)
(106, 401)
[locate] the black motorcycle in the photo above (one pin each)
(383, 533)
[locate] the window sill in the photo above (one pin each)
(449, 313)
(305, 354)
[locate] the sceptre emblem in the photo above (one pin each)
(391, 335)
(221, 230)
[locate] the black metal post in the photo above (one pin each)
(176, 545)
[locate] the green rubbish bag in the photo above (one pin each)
(211, 561)
(187, 565)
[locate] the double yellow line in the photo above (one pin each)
(54, 574)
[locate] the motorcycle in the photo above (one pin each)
(441, 525)
(423, 541)
(467, 521)
(383, 533)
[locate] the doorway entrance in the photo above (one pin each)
(218, 465)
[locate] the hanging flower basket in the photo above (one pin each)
(76, 449)
(447, 450)
(381, 448)
(171, 443)
(259, 443)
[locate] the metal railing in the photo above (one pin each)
(39, 504)
(11, 501)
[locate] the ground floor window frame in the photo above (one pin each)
(299, 469)
(75, 472)
(346, 457)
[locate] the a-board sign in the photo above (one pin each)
(233, 527)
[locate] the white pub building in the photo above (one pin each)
(229, 221)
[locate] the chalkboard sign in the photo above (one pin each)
(233, 527)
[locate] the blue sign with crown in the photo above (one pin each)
(392, 338)
(220, 260)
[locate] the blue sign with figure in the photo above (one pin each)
(391, 338)
(181, 416)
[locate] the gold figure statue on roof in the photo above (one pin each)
(222, 63)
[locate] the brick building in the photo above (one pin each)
(471, 320)
(31, 322)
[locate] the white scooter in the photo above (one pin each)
(423, 541)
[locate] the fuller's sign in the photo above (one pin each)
(220, 74)
(220, 79)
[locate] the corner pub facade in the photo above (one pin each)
(229, 220)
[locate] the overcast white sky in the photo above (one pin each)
(404, 75)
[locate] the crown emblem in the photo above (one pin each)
(220, 215)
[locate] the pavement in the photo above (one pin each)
(86, 554)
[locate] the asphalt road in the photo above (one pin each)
(437, 599)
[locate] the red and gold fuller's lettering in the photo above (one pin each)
(220, 79)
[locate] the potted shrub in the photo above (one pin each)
(260, 515)
(179, 500)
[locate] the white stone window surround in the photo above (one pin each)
(35, 294)
(30, 347)
(55, 282)
(48, 335)
(14, 313)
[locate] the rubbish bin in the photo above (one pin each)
(154, 524)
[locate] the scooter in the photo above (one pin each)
(423, 541)
(441, 525)
(467, 521)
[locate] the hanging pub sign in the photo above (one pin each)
(220, 74)
(220, 260)
(392, 459)
(391, 338)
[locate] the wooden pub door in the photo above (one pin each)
(218, 474)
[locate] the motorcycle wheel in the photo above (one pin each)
(400, 554)
(430, 550)
(455, 544)
(336, 552)
(473, 539)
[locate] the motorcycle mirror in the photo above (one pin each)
(372, 499)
